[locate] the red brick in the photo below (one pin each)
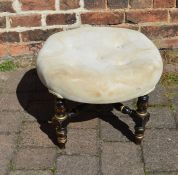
(9, 37)
(6, 6)
(164, 3)
(25, 21)
(94, 4)
(60, 19)
(102, 18)
(167, 43)
(137, 4)
(162, 31)
(38, 35)
(69, 4)
(24, 49)
(18, 49)
(142, 16)
(2, 22)
(174, 15)
(115, 4)
(128, 26)
(3, 50)
(38, 4)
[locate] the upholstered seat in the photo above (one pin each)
(99, 64)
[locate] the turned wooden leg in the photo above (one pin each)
(61, 120)
(141, 117)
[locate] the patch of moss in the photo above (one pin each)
(169, 79)
(53, 170)
(7, 66)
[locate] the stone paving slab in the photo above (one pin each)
(31, 135)
(121, 158)
(12, 80)
(159, 96)
(10, 102)
(82, 141)
(34, 159)
(99, 143)
(7, 147)
(40, 111)
(31, 172)
(117, 129)
(161, 117)
(160, 150)
(77, 164)
(164, 173)
(89, 124)
(10, 122)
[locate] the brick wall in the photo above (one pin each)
(25, 24)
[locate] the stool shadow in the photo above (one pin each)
(39, 105)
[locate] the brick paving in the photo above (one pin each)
(99, 142)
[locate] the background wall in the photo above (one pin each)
(25, 24)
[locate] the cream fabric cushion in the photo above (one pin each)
(99, 64)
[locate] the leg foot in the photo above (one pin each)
(61, 120)
(141, 117)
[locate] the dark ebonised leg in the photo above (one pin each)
(141, 117)
(61, 120)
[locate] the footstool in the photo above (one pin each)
(100, 65)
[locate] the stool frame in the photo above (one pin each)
(140, 116)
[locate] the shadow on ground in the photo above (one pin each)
(39, 103)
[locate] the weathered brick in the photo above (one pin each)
(16, 50)
(24, 49)
(3, 50)
(102, 18)
(164, 4)
(115, 4)
(137, 4)
(94, 4)
(60, 19)
(25, 21)
(142, 16)
(38, 5)
(167, 43)
(9, 37)
(6, 6)
(38, 35)
(69, 4)
(2, 22)
(174, 15)
(162, 31)
(128, 26)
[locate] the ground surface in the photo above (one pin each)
(99, 143)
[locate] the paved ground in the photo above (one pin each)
(99, 143)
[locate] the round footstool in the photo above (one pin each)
(100, 65)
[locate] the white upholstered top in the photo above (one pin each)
(99, 64)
